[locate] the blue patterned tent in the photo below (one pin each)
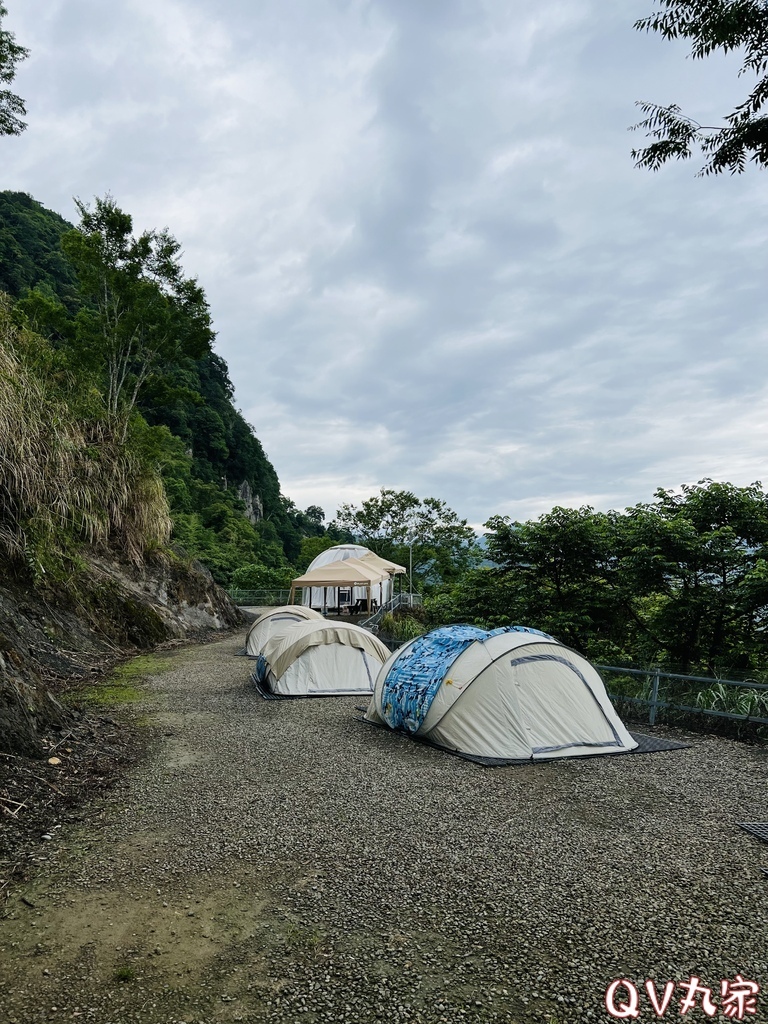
(510, 693)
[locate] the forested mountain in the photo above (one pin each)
(121, 434)
(111, 321)
(30, 250)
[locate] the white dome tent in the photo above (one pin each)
(338, 553)
(499, 696)
(338, 597)
(275, 620)
(318, 658)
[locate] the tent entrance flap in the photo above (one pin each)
(550, 690)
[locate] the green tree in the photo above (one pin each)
(561, 573)
(711, 25)
(256, 576)
(30, 250)
(692, 562)
(311, 547)
(12, 107)
(315, 515)
(142, 312)
(483, 597)
(680, 581)
(397, 524)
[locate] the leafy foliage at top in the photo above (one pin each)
(30, 251)
(141, 313)
(712, 25)
(12, 107)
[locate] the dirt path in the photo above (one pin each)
(279, 861)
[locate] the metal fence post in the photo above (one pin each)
(654, 698)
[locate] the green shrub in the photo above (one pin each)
(404, 627)
(257, 576)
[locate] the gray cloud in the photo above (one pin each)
(430, 260)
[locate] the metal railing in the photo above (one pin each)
(260, 598)
(398, 601)
(654, 702)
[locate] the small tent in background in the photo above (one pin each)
(275, 620)
(505, 695)
(337, 596)
(320, 658)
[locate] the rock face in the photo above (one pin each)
(172, 600)
(48, 639)
(254, 509)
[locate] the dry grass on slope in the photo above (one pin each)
(63, 477)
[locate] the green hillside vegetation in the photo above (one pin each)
(66, 477)
(680, 582)
(107, 324)
(30, 251)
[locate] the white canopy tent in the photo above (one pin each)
(510, 694)
(392, 568)
(350, 575)
(340, 595)
(320, 658)
(276, 620)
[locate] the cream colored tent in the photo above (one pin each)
(505, 695)
(337, 597)
(320, 658)
(276, 620)
(350, 574)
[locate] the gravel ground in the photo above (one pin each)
(281, 862)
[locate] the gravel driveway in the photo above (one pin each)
(279, 861)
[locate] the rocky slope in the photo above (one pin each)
(54, 637)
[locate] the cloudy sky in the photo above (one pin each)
(430, 261)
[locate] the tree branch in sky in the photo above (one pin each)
(712, 25)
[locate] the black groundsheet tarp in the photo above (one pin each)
(645, 745)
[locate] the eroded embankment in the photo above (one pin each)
(54, 637)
